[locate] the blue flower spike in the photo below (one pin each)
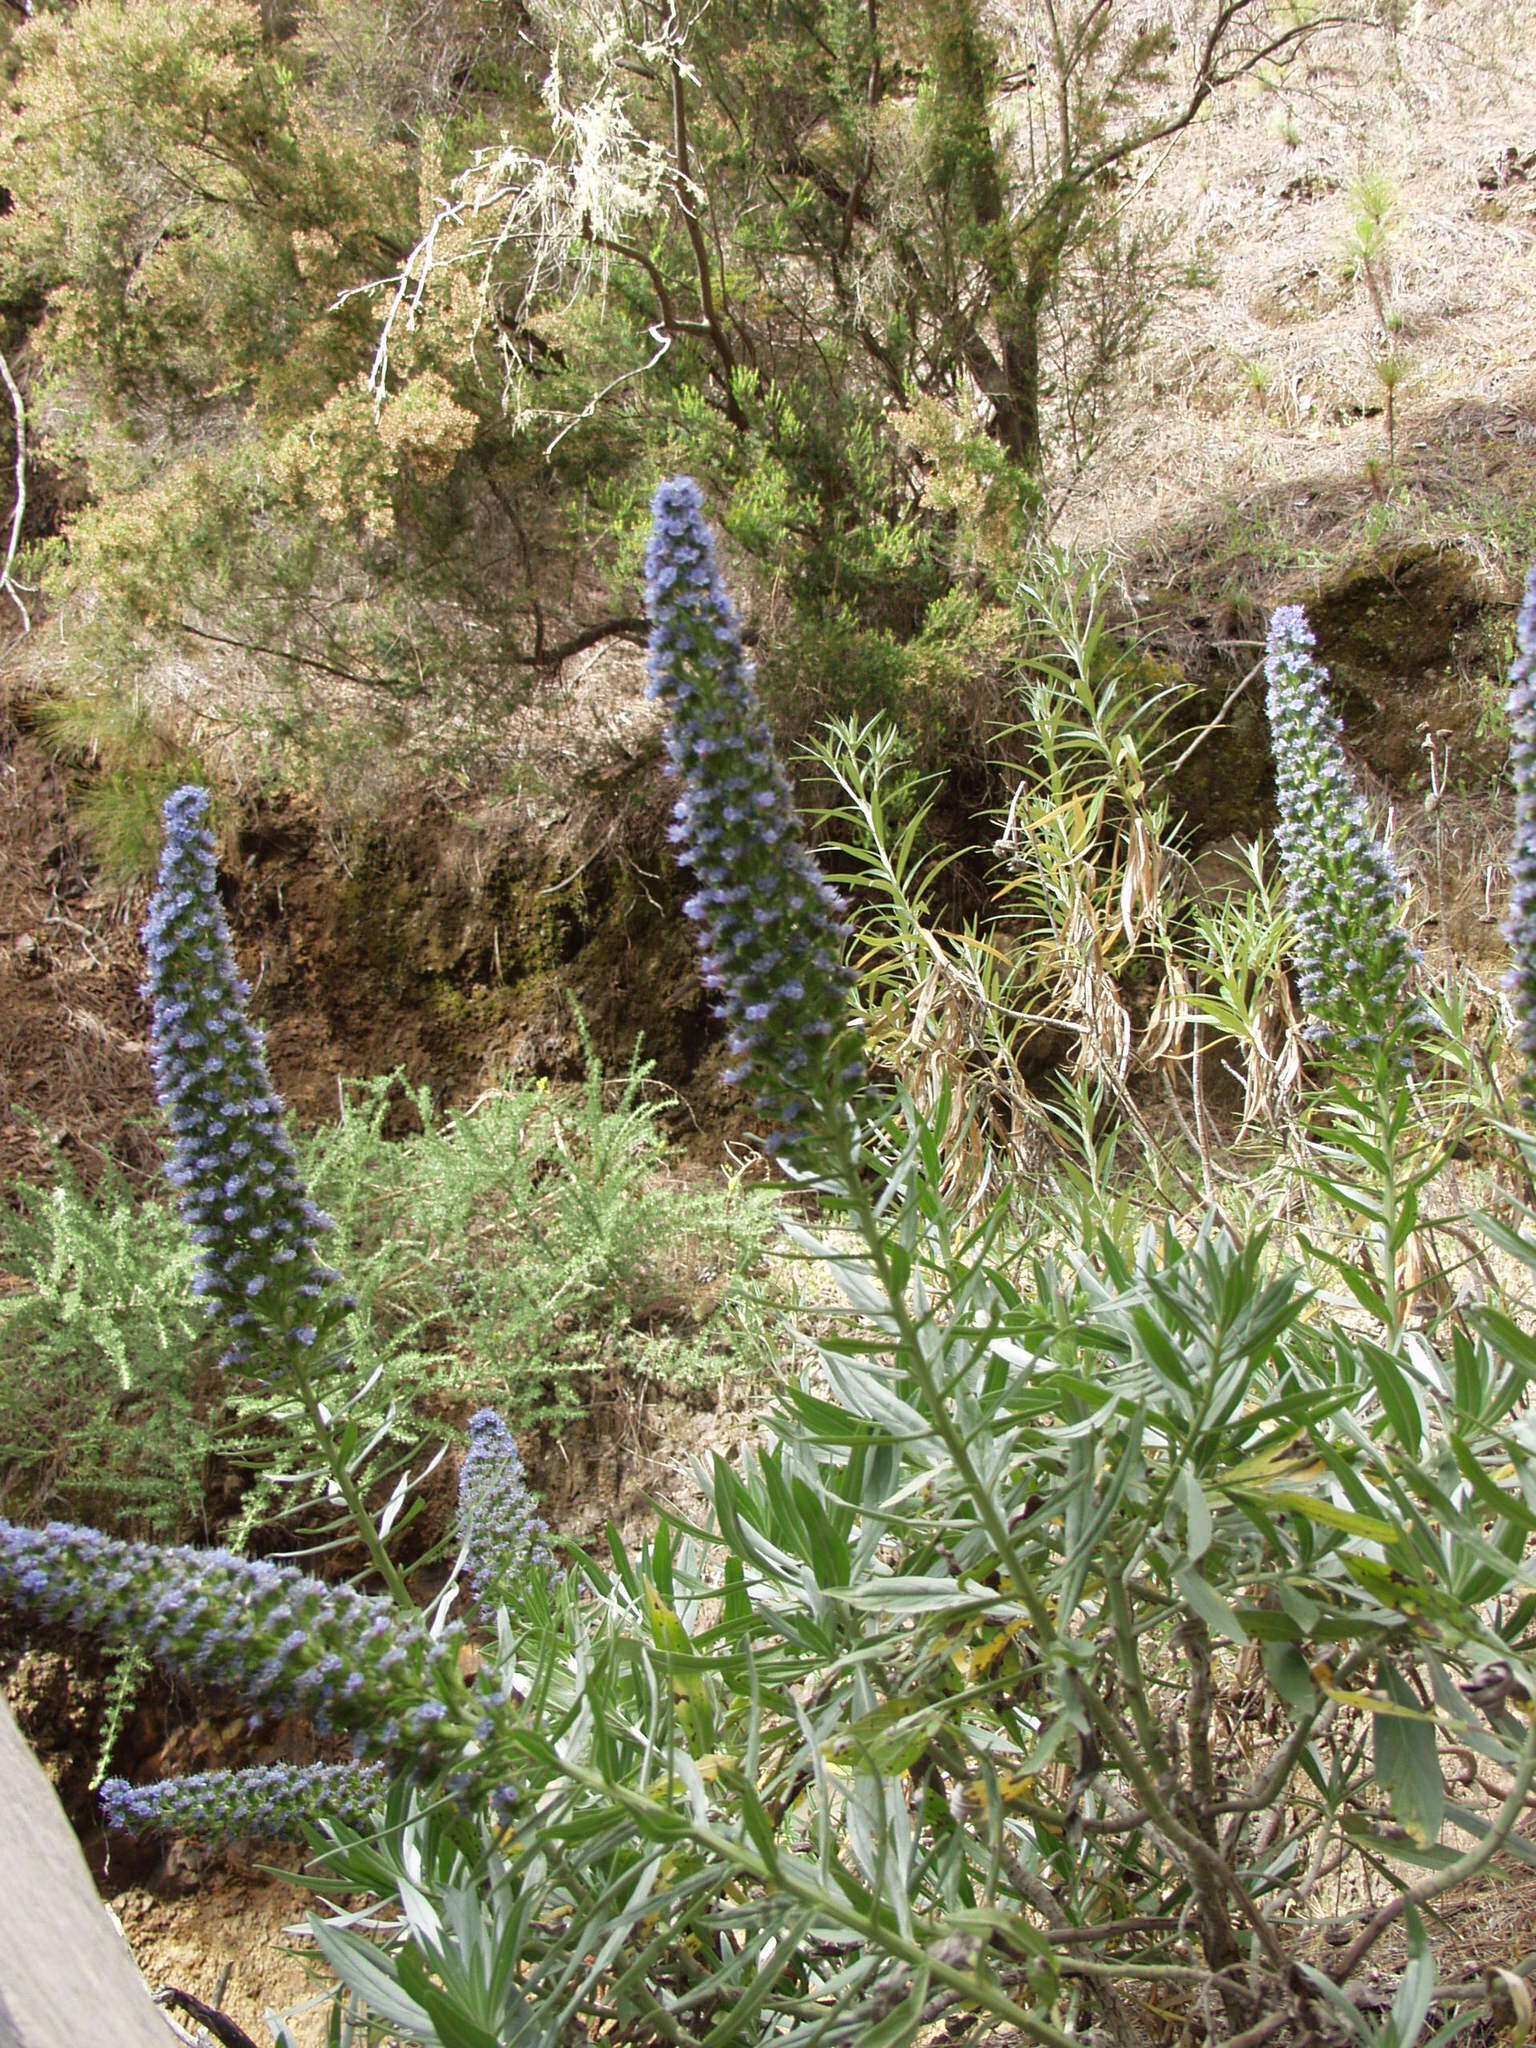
(499, 1526)
(267, 1802)
(772, 930)
(1354, 960)
(1520, 981)
(280, 1642)
(233, 1167)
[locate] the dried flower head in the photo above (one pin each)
(1353, 957)
(772, 930)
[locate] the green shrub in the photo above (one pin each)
(104, 1359)
(534, 1240)
(509, 1253)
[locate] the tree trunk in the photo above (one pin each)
(964, 172)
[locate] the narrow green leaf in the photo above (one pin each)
(370, 1975)
(1197, 1513)
(1290, 1675)
(1198, 1594)
(1410, 2008)
(1407, 1762)
(1312, 1508)
(1396, 1396)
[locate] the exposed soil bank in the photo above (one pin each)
(447, 944)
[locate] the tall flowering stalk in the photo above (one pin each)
(270, 1803)
(499, 1527)
(771, 927)
(1353, 957)
(279, 1641)
(234, 1169)
(1521, 927)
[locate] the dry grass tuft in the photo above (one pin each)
(1259, 392)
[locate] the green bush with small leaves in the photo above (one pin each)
(511, 1252)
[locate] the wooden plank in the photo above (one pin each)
(66, 1976)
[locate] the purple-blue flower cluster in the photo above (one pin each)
(772, 929)
(270, 1802)
(233, 1168)
(281, 1642)
(499, 1527)
(1521, 928)
(1353, 957)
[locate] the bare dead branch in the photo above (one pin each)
(13, 543)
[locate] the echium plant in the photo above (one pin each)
(500, 1530)
(355, 1664)
(772, 929)
(1354, 959)
(277, 1640)
(1355, 964)
(917, 1723)
(267, 1803)
(236, 1178)
(1520, 982)
(281, 1642)
(234, 1169)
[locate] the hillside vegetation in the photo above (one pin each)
(1007, 523)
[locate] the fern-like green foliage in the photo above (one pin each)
(505, 1253)
(534, 1239)
(131, 759)
(103, 1356)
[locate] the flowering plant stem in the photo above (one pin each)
(1387, 1227)
(1212, 1877)
(779, 1875)
(1372, 1168)
(850, 1188)
(334, 1453)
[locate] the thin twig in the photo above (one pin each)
(218, 2024)
(1205, 731)
(1264, 2031)
(1108, 1930)
(13, 544)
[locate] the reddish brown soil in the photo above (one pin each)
(444, 944)
(73, 1067)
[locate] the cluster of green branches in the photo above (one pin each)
(347, 331)
(519, 1252)
(1091, 1613)
(1088, 1617)
(1129, 1576)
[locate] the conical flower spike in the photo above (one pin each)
(1520, 982)
(772, 930)
(269, 1802)
(234, 1169)
(1353, 957)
